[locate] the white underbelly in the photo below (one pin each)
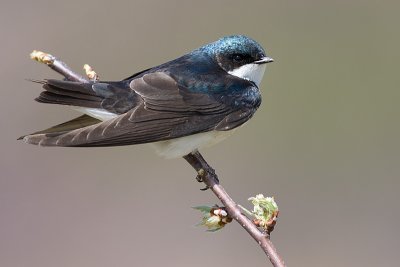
(182, 146)
(173, 148)
(97, 113)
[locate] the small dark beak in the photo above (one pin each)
(264, 60)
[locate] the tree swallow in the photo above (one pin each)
(181, 106)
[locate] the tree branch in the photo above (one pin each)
(58, 66)
(205, 172)
(207, 175)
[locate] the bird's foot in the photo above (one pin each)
(201, 174)
(205, 173)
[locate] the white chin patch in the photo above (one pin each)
(251, 72)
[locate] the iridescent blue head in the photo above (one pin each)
(240, 56)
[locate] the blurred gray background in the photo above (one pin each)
(325, 141)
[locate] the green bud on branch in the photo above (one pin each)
(214, 218)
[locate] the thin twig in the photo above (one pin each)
(205, 172)
(207, 175)
(58, 66)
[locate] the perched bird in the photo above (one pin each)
(181, 106)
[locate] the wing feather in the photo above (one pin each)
(163, 110)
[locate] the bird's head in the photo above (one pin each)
(240, 56)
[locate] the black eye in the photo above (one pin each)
(237, 58)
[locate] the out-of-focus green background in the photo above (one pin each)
(325, 141)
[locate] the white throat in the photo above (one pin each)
(252, 72)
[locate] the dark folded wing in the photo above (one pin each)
(166, 110)
(161, 92)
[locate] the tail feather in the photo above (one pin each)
(78, 87)
(109, 99)
(64, 92)
(37, 138)
(69, 93)
(115, 97)
(52, 98)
